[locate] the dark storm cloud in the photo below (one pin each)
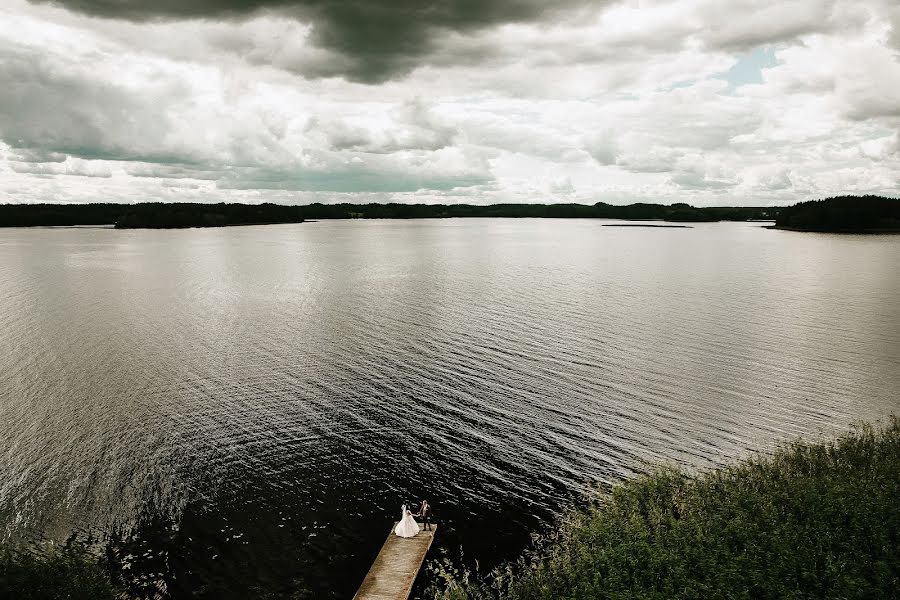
(371, 40)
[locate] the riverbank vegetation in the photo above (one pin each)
(844, 214)
(811, 520)
(54, 573)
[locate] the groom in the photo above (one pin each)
(425, 513)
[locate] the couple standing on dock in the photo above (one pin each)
(407, 527)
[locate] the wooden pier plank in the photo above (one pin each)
(395, 568)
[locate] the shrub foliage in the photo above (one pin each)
(812, 520)
(57, 573)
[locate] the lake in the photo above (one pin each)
(246, 408)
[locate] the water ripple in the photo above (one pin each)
(275, 392)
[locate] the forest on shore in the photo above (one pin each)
(174, 215)
(843, 214)
(866, 214)
(149, 215)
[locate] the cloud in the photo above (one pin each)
(880, 149)
(33, 155)
(699, 172)
(48, 109)
(369, 41)
(893, 13)
(655, 159)
(561, 186)
(745, 24)
(71, 166)
(410, 126)
(170, 171)
(353, 180)
(613, 101)
(602, 146)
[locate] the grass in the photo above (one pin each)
(54, 574)
(811, 520)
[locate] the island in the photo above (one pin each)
(842, 214)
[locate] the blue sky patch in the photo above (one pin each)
(749, 66)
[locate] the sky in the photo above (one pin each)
(744, 102)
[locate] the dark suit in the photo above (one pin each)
(425, 513)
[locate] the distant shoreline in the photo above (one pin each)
(158, 215)
(866, 231)
(647, 225)
(842, 214)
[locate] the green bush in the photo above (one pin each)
(812, 520)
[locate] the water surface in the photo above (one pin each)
(269, 395)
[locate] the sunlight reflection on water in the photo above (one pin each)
(277, 391)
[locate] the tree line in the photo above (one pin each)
(147, 215)
(174, 215)
(843, 214)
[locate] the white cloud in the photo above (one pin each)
(623, 103)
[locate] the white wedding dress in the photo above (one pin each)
(407, 527)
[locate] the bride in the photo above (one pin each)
(407, 527)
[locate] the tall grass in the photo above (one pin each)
(811, 520)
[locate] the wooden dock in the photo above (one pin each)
(396, 566)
